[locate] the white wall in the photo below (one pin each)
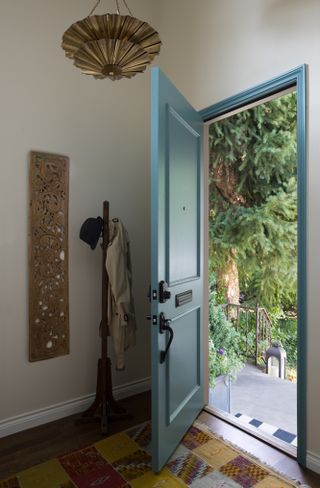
(215, 49)
(103, 126)
(211, 50)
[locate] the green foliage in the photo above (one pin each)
(253, 208)
(224, 344)
(237, 345)
(286, 333)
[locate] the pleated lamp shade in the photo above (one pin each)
(111, 45)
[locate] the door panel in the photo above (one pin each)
(176, 258)
(183, 198)
(180, 388)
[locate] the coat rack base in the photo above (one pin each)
(104, 407)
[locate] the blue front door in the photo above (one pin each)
(176, 267)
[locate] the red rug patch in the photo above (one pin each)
(87, 468)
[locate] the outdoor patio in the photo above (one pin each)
(265, 398)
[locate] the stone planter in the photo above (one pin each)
(219, 396)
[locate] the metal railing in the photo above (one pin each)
(263, 325)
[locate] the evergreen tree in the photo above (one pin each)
(253, 201)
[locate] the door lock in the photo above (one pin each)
(164, 326)
(164, 293)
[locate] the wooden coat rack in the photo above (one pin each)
(104, 400)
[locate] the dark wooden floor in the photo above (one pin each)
(30, 447)
(25, 449)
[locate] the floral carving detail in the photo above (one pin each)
(48, 256)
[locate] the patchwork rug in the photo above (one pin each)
(124, 461)
(281, 434)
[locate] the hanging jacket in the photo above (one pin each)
(121, 313)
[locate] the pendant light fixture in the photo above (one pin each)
(111, 45)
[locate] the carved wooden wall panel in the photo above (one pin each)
(48, 256)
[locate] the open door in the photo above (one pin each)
(176, 267)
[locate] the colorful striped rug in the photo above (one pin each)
(124, 461)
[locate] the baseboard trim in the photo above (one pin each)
(132, 388)
(45, 415)
(313, 462)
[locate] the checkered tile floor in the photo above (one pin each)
(281, 434)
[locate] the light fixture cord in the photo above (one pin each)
(126, 5)
(124, 1)
(118, 7)
(91, 12)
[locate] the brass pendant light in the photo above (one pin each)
(111, 45)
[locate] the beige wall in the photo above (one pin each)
(103, 126)
(211, 50)
(214, 49)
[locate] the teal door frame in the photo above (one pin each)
(297, 78)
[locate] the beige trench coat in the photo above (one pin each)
(121, 313)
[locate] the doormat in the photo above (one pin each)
(281, 434)
(124, 461)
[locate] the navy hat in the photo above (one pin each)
(91, 231)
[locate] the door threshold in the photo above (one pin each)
(253, 431)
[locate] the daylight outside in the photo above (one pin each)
(253, 267)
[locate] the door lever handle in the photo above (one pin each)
(164, 326)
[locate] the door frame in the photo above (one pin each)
(297, 78)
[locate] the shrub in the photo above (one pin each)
(224, 344)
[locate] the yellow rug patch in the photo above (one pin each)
(215, 452)
(117, 446)
(163, 480)
(49, 475)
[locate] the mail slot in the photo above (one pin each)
(183, 298)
